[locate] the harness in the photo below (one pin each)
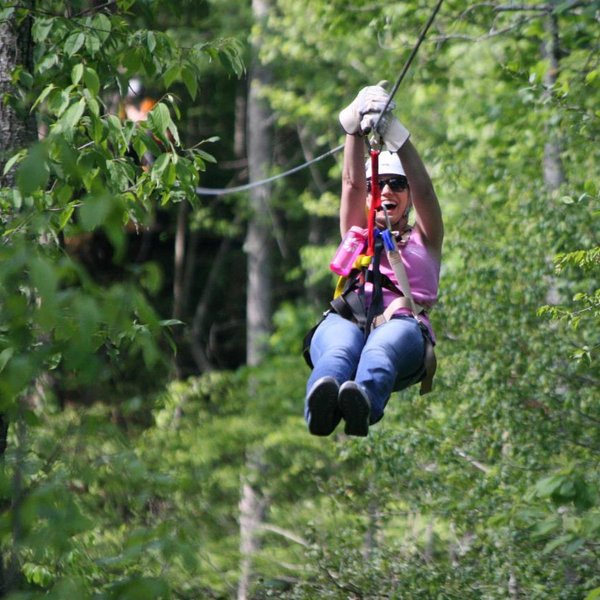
(349, 296)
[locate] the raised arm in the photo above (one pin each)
(427, 208)
(354, 185)
(354, 119)
(362, 115)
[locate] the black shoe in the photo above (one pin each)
(324, 414)
(356, 408)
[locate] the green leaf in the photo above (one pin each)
(43, 95)
(65, 216)
(171, 322)
(74, 42)
(92, 44)
(139, 145)
(63, 193)
(151, 278)
(5, 356)
(41, 28)
(93, 105)
(548, 485)
(33, 173)
(206, 156)
(94, 212)
(58, 101)
(97, 131)
(13, 160)
(545, 527)
(175, 133)
(593, 594)
(90, 78)
(555, 543)
(115, 129)
(575, 545)
(189, 79)
(132, 63)
(151, 41)
(102, 26)
(71, 117)
(160, 165)
(171, 74)
(159, 119)
(77, 73)
(563, 7)
(46, 63)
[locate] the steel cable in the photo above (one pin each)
(202, 191)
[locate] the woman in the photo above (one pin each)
(354, 374)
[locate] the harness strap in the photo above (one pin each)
(350, 305)
(395, 305)
(402, 278)
(375, 198)
(430, 360)
(430, 367)
(376, 305)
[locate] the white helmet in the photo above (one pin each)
(389, 164)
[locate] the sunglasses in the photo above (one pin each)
(397, 184)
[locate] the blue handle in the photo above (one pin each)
(388, 241)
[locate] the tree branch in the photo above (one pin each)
(290, 535)
(94, 9)
(478, 465)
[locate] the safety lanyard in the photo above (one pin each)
(375, 200)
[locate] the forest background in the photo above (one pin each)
(151, 383)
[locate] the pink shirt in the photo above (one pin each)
(423, 273)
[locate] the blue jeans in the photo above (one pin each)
(390, 359)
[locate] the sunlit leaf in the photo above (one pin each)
(74, 43)
(159, 119)
(90, 78)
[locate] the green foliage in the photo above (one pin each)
(69, 330)
(511, 405)
(488, 488)
(583, 316)
(153, 513)
(86, 176)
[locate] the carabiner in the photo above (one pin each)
(374, 141)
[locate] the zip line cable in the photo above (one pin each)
(202, 191)
(409, 61)
(242, 188)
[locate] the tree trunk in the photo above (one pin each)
(179, 261)
(258, 301)
(17, 130)
(253, 508)
(179, 270)
(258, 238)
(554, 175)
(17, 123)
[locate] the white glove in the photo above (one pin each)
(393, 133)
(370, 101)
(364, 113)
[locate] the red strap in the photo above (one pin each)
(375, 201)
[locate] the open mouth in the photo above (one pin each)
(388, 205)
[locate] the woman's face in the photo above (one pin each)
(395, 197)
